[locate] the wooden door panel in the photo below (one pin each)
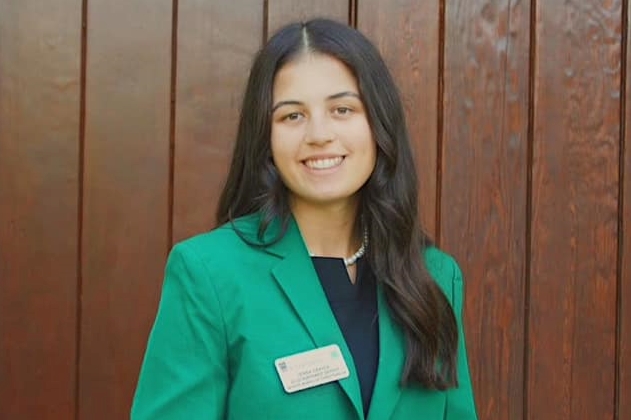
(624, 314)
(281, 12)
(213, 62)
(412, 53)
(126, 196)
(484, 190)
(572, 320)
(40, 82)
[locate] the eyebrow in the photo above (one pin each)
(328, 98)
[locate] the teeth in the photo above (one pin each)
(324, 163)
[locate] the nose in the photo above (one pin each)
(319, 130)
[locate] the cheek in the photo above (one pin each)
(370, 146)
(370, 157)
(373, 156)
(363, 132)
(285, 143)
(276, 146)
(281, 152)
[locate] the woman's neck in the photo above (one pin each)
(328, 231)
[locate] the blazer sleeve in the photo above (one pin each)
(460, 401)
(185, 369)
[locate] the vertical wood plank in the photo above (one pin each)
(40, 74)
(574, 210)
(484, 188)
(126, 195)
(281, 12)
(39, 120)
(212, 69)
(411, 52)
(624, 315)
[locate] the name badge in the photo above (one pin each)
(311, 368)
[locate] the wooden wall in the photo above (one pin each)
(116, 127)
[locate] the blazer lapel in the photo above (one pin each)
(298, 279)
(387, 389)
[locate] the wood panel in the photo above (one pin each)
(624, 314)
(469, 125)
(574, 210)
(484, 188)
(412, 55)
(212, 68)
(281, 12)
(40, 77)
(126, 195)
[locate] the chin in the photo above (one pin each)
(332, 199)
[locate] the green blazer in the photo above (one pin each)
(229, 310)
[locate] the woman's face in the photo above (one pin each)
(321, 140)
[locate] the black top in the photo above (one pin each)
(355, 309)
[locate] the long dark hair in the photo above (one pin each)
(388, 204)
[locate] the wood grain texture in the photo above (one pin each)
(212, 68)
(40, 59)
(624, 316)
(484, 188)
(126, 195)
(281, 12)
(574, 210)
(407, 35)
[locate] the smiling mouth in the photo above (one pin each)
(326, 163)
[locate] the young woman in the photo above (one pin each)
(319, 296)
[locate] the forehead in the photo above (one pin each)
(313, 75)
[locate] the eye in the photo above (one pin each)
(294, 116)
(343, 110)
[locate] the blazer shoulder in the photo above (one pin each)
(445, 271)
(222, 242)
